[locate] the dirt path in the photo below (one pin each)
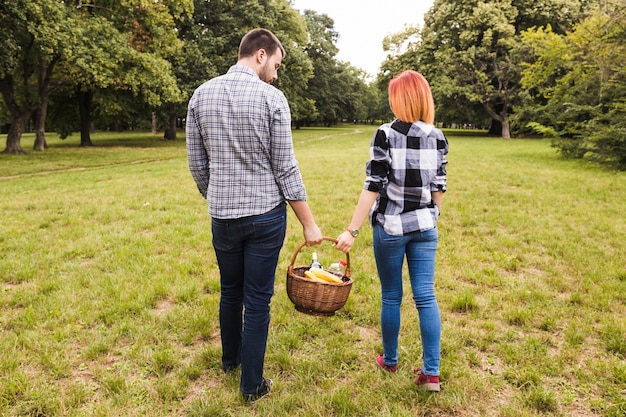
(317, 139)
(56, 171)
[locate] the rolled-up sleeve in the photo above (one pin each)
(377, 168)
(439, 182)
(197, 156)
(283, 160)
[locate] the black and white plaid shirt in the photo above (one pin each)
(239, 145)
(407, 162)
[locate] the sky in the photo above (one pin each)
(363, 24)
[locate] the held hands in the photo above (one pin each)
(344, 242)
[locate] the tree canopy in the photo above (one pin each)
(576, 86)
(115, 64)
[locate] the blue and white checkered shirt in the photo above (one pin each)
(407, 162)
(239, 145)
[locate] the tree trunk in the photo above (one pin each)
(19, 116)
(154, 123)
(15, 133)
(170, 130)
(40, 127)
(45, 72)
(84, 106)
(499, 120)
(506, 129)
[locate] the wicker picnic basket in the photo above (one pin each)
(317, 298)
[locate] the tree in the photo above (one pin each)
(467, 52)
(34, 34)
(124, 47)
(576, 86)
(210, 39)
(402, 49)
(472, 56)
(110, 45)
(337, 89)
(297, 66)
(199, 34)
(321, 49)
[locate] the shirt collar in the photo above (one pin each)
(242, 69)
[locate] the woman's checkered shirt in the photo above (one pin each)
(407, 162)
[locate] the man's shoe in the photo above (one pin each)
(260, 392)
(389, 368)
(427, 382)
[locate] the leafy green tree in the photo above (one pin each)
(298, 67)
(576, 86)
(375, 104)
(468, 52)
(211, 39)
(34, 34)
(112, 45)
(401, 48)
(356, 97)
(124, 49)
(322, 49)
(337, 89)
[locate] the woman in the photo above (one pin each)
(404, 186)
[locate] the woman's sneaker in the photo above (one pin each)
(427, 382)
(260, 392)
(389, 368)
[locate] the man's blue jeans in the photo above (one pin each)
(420, 249)
(247, 252)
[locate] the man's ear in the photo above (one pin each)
(260, 55)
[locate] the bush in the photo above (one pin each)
(606, 143)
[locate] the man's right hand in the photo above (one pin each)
(313, 235)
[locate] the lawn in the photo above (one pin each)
(109, 287)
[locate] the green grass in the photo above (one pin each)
(109, 287)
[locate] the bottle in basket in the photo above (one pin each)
(315, 264)
(338, 268)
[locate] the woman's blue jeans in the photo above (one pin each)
(420, 249)
(247, 252)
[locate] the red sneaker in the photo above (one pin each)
(389, 368)
(427, 382)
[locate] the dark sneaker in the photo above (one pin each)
(260, 392)
(389, 368)
(427, 382)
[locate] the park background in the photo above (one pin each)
(109, 286)
(515, 67)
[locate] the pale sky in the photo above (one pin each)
(363, 24)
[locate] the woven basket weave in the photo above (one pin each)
(317, 298)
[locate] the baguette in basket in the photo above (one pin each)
(316, 274)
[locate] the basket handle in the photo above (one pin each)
(295, 255)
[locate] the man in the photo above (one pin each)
(240, 154)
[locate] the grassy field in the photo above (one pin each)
(109, 288)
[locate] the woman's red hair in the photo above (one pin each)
(410, 98)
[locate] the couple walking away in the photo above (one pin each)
(241, 157)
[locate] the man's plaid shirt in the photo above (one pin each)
(239, 145)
